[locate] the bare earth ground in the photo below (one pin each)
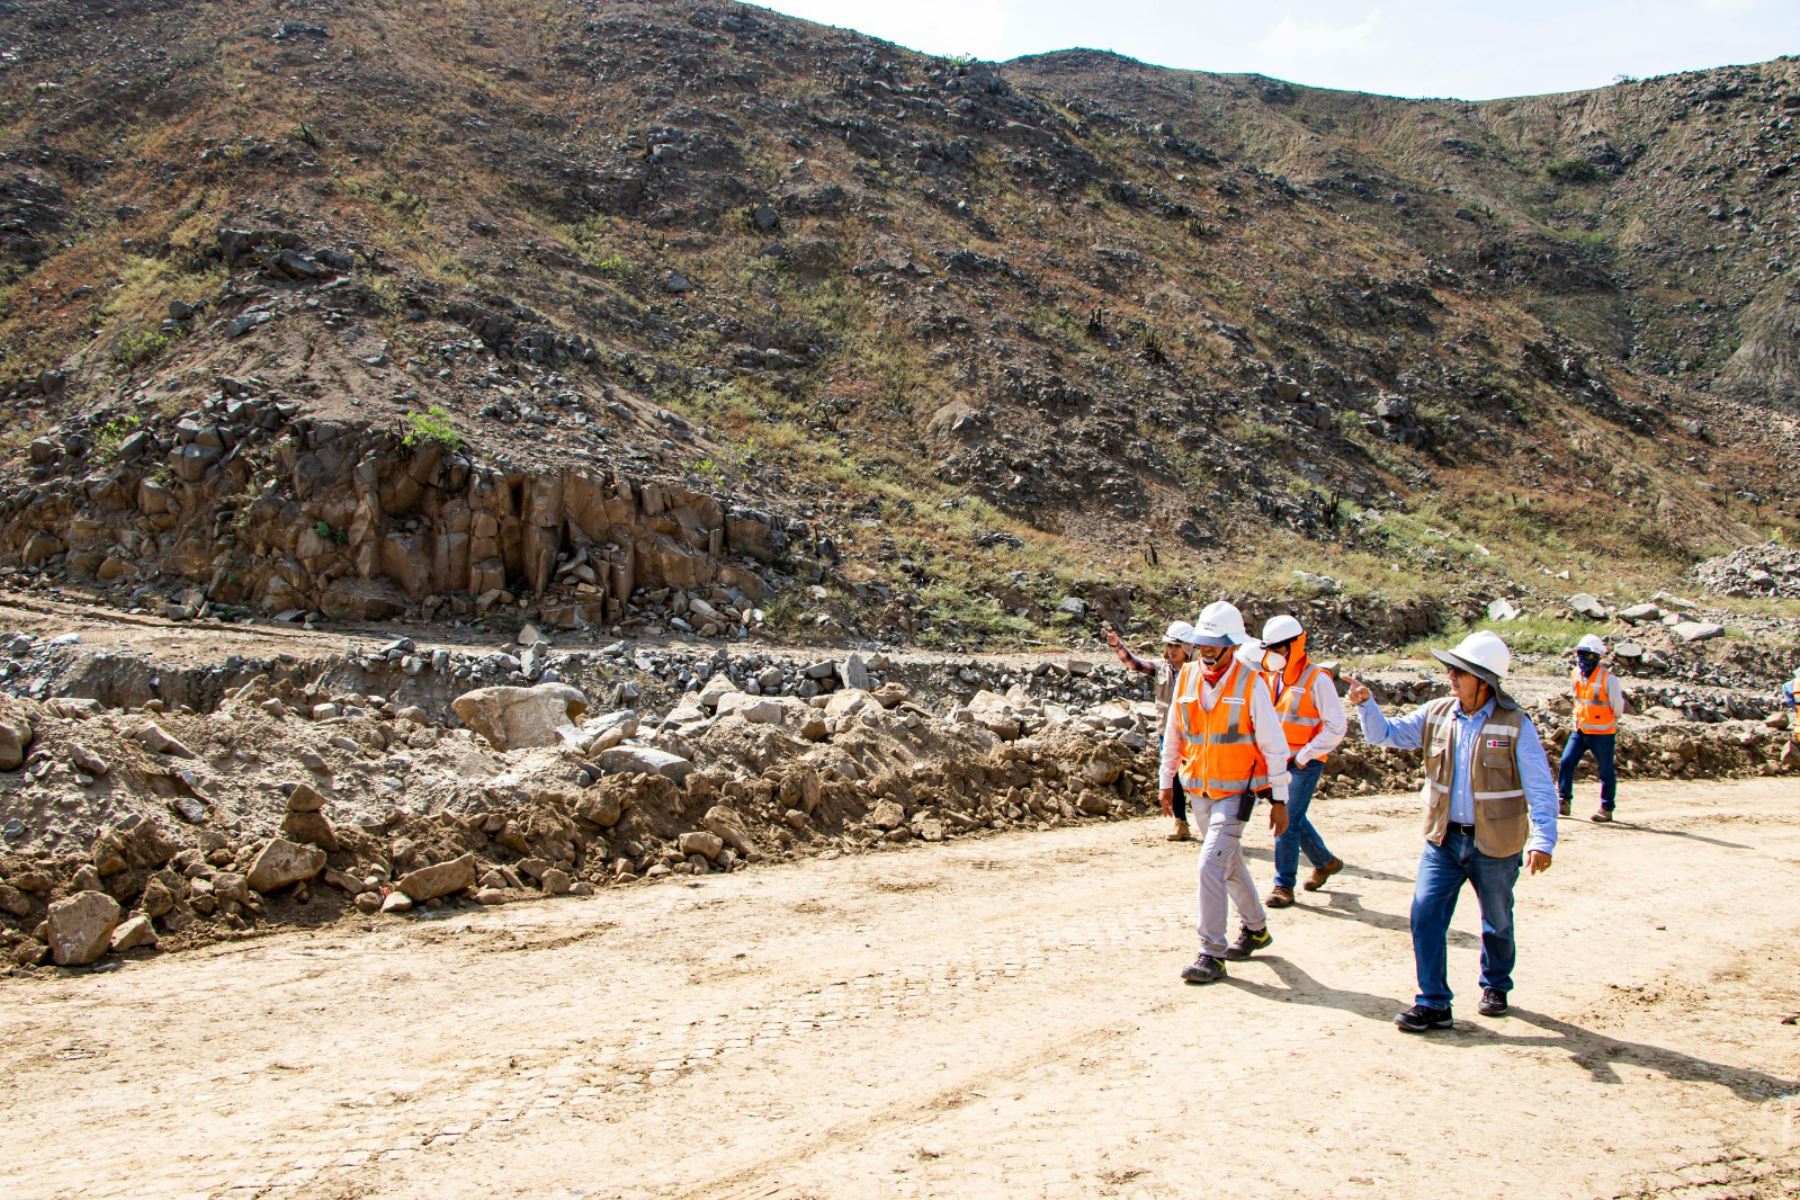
(990, 1017)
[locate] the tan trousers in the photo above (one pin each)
(1224, 877)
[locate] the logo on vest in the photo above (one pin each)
(1499, 743)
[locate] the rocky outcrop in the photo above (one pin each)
(259, 509)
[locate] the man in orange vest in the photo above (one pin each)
(1223, 740)
(1313, 721)
(1599, 703)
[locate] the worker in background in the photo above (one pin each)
(1223, 744)
(1488, 797)
(1790, 700)
(1312, 719)
(1599, 703)
(1175, 655)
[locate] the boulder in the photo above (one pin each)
(887, 814)
(1587, 605)
(1639, 614)
(854, 673)
(283, 862)
(513, 718)
(138, 931)
(15, 739)
(1502, 609)
(81, 927)
(716, 689)
(312, 829)
(758, 710)
(729, 826)
(631, 759)
(708, 845)
(850, 702)
(157, 740)
(84, 759)
(443, 879)
(1698, 631)
(304, 798)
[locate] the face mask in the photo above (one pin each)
(1588, 662)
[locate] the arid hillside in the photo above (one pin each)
(689, 316)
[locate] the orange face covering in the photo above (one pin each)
(1296, 663)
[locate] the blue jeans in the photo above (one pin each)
(1442, 872)
(1300, 835)
(1600, 745)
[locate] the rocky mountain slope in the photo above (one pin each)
(686, 315)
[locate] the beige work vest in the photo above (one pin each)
(1502, 821)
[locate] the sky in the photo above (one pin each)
(1469, 50)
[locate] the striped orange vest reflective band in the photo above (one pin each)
(1219, 757)
(1593, 702)
(1299, 712)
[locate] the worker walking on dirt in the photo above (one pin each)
(1488, 797)
(1599, 703)
(1312, 719)
(1223, 744)
(1176, 654)
(1790, 699)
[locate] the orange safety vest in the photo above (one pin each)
(1593, 702)
(1299, 711)
(1219, 757)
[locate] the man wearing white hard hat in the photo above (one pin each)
(1490, 804)
(1599, 703)
(1312, 719)
(1223, 744)
(1175, 655)
(1790, 699)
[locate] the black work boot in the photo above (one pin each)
(1249, 941)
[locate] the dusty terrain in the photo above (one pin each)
(998, 1017)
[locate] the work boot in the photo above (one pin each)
(1564, 807)
(1493, 1003)
(1420, 1018)
(1603, 816)
(1321, 874)
(1205, 969)
(1280, 897)
(1249, 941)
(1181, 834)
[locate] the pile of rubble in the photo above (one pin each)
(1770, 569)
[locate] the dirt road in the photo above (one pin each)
(991, 1017)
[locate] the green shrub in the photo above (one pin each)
(1572, 170)
(112, 434)
(141, 346)
(432, 425)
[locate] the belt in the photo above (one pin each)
(1458, 827)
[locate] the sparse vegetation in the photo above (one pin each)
(432, 426)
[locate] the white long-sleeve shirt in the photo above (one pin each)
(1333, 722)
(1265, 726)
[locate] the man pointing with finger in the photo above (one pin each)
(1489, 800)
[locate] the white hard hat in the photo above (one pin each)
(1220, 624)
(1482, 655)
(1591, 643)
(1180, 633)
(1280, 629)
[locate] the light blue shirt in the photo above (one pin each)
(1408, 733)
